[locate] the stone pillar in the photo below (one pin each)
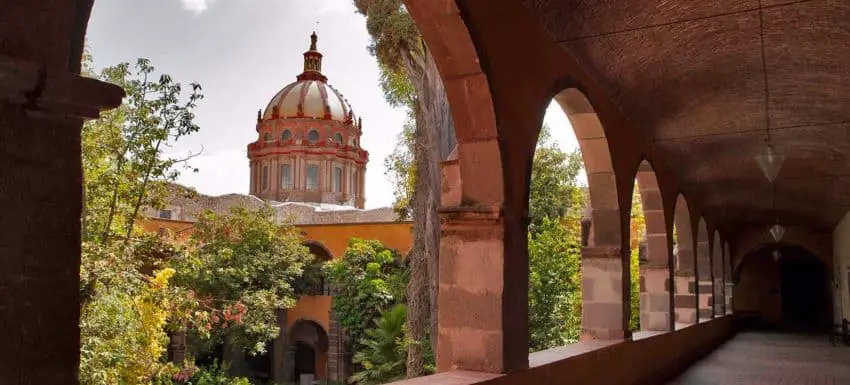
(706, 285)
(603, 294)
(685, 299)
(177, 347)
(43, 102)
(338, 360)
(279, 348)
(483, 297)
(655, 273)
(727, 277)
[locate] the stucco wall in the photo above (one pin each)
(313, 308)
(395, 235)
(841, 268)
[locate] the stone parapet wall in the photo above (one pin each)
(186, 205)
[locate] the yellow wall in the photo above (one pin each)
(335, 237)
(312, 308)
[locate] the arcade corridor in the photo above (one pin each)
(740, 108)
(771, 358)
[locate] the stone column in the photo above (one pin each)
(655, 273)
(706, 286)
(337, 359)
(717, 269)
(177, 346)
(43, 103)
(603, 294)
(483, 291)
(685, 299)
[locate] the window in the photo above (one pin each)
(265, 181)
(286, 176)
(267, 137)
(286, 135)
(337, 179)
(312, 176)
(165, 214)
(313, 136)
(338, 138)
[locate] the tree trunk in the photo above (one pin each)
(432, 121)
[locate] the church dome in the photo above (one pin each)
(310, 96)
(309, 99)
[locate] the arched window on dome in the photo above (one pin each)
(338, 138)
(313, 136)
(286, 135)
(267, 137)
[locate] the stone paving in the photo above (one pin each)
(772, 358)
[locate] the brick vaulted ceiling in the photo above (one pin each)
(707, 79)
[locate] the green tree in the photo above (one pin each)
(127, 298)
(554, 297)
(383, 355)
(123, 160)
(637, 239)
(410, 78)
(242, 267)
(554, 189)
(123, 323)
(556, 202)
(401, 170)
(367, 281)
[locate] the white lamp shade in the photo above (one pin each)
(770, 162)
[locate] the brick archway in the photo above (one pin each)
(655, 295)
(685, 287)
(602, 258)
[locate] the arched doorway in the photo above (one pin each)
(305, 360)
(308, 351)
(804, 284)
(784, 286)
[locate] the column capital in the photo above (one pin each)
(473, 214)
(31, 86)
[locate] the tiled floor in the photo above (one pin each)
(770, 358)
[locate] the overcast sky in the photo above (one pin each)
(242, 52)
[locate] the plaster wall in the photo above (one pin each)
(395, 235)
(841, 268)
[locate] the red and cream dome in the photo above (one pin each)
(309, 99)
(310, 96)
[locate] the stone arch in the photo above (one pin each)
(313, 280)
(307, 350)
(705, 287)
(655, 296)
(479, 162)
(319, 250)
(482, 239)
(603, 260)
(684, 258)
(784, 285)
(717, 274)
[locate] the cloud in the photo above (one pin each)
(328, 6)
(196, 6)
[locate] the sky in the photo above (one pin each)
(242, 53)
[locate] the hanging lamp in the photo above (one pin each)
(770, 161)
